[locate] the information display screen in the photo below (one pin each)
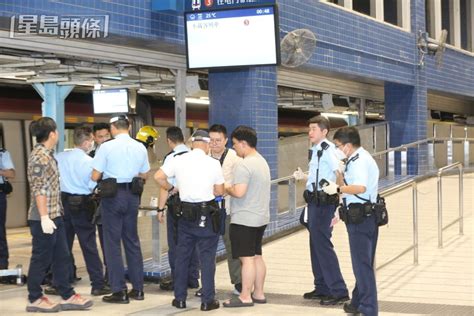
(232, 38)
(110, 101)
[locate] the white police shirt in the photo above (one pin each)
(175, 153)
(122, 158)
(196, 174)
(361, 169)
(5, 162)
(75, 169)
(328, 165)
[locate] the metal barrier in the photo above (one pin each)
(414, 246)
(441, 171)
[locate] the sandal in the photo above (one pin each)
(259, 301)
(236, 302)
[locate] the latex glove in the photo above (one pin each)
(299, 174)
(341, 166)
(47, 225)
(330, 188)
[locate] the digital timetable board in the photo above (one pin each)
(232, 38)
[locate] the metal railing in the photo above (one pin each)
(431, 154)
(414, 245)
(441, 171)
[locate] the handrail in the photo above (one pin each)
(441, 171)
(411, 183)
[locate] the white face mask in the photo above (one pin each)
(91, 146)
(340, 154)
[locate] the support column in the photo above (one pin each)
(249, 97)
(455, 22)
(403, 14)
(470, 25)
(346, 3)
(53, 105)
(180, 102)
(435, 18)
(406, 106)
(376, 9)
(362, 112)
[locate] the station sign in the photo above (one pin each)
(204, 5)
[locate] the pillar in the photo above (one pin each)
(53, 105)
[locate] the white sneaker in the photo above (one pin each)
(43, 305)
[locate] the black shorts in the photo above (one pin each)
(246, 241)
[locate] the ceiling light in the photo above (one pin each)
(97, 86)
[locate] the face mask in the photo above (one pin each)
(91, 146)
(340, 154)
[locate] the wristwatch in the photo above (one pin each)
(160, 210)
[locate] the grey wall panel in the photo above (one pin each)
(458, 147)
(327, 84)
(449, 104)
(441, 149)
(17, 209)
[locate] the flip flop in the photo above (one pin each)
(259, 301)
(236, 302)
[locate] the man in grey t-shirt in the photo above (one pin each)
(250, 214)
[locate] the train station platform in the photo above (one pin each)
(442, 283)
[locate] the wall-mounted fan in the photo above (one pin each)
(429, 46)
(297, 47)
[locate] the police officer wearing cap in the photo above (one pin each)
(199, 179)
(122, 163)
(7, 171)
(75, 168)
(175, 140)
(358, 186)
(329, 285)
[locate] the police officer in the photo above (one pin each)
(199, 179)
(175, 140)
(123, 165)
(330, 287)
(359, 184)
(47, 226)
(7, 171)
(101, 132)
(75, 167)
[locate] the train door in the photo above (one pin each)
(13, 139)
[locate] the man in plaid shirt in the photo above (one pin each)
(45, 217)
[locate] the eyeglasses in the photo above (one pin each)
(337, 146)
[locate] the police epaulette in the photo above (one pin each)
(2, 150)
(180, 153)
(164, 158)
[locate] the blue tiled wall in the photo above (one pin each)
(248, 97)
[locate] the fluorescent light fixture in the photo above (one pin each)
(124, 86)
(39, 80)
(203, 101)
(97, 86)
(334, 115)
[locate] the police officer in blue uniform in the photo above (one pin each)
(7, 171)
(330, 287)
(359, 185)
(199, 179)
(175, 140)
(122, 163)
(75, 168)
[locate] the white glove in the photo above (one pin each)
(341, 166)
(47, 225)
(331, 188)
(299, 174)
